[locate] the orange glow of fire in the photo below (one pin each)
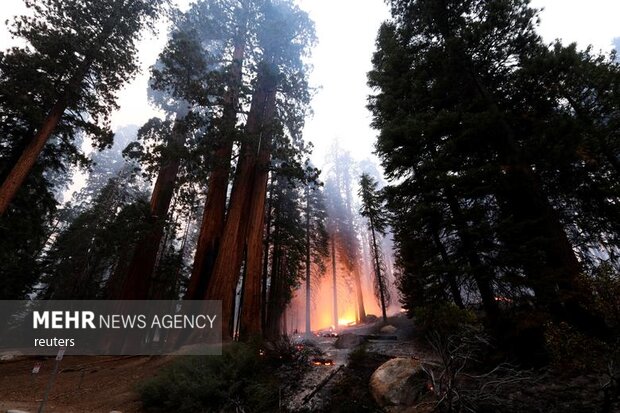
(346, 321)
(323, 363)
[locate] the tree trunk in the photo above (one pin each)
(481, 274)
(139, 275)
(28, 158)
(553, 270)
(265, 271)
(228, 263)
(271, 326)
(450, 279)
(214, 214)
(378, 274)
(308, 287)
(334, 281)
(251, 310)
(361, 312)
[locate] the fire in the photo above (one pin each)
(346, 321)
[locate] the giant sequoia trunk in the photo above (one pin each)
(29, 156)
(551, 265)
(251, 310)
(19, 172)
(214, 214)
(137, 282)
(250, 182)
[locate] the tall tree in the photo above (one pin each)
(86, 51)
(185, 79)
(340, 203)
(373, 210)
(85, 256)
(226, 134)
(477, 153)
(280, 90)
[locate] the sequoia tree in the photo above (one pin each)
(283, 37)
(81, 52)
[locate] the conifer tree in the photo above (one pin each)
(79, 54)
(373, 210)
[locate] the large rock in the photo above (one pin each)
(348, 340)
(389, 329)
(399, 385)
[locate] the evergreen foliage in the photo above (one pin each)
(501, 151)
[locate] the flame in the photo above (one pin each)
(346, 321)
(322, 307)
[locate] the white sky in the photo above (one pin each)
(346, 30)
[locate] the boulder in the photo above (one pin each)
(389, 329)
(348, 340)
(370, 318)
(399, 384)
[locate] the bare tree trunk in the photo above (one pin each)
(251, 310)
(266, 259)
(361, 312)
(214, 213)
(139, 275)
(308, 287)
(228, 263)
(334, 281)
(379, 276)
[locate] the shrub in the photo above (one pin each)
(444, 318)
(239, 379)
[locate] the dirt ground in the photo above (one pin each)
(105, 384)
(83, 384)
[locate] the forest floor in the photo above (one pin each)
(106, 384)
(83, 383)
(315, 389)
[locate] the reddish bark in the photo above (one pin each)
(251, 310)
(334, 281)
(242, 208)
(215, 208)
(361, 312)
(23, 166)
(137, 282)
